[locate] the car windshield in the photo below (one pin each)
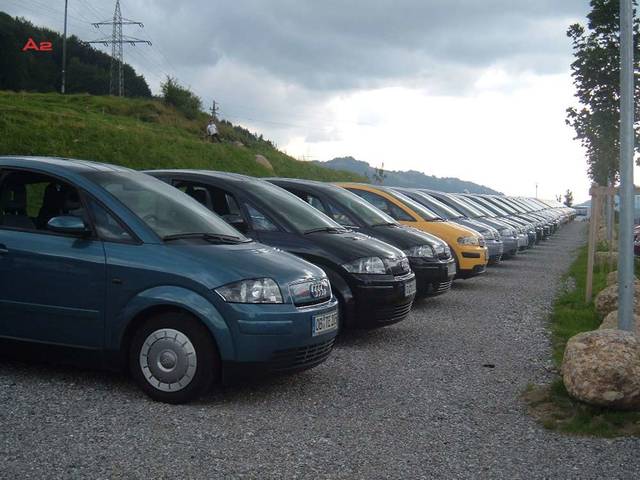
(483, 212)
(489, 205)
(442, 209)
(166, 210)
(366, 212)
(464, 207)
(421, 210)
(302, 216)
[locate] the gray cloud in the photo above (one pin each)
(342, 45)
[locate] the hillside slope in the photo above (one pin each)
(137, 133)
(409, 179)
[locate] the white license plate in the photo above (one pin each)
(324, 322)
(409, 288)
(451, 269)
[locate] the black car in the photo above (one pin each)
(372, 280)
(430, 257)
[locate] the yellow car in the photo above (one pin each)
(468, 245)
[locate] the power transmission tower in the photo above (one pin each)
(214, 110)
(116, 41)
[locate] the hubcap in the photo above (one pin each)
(168, 360)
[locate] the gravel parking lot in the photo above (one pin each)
(433, 397)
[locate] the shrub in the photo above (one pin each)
(183, 99)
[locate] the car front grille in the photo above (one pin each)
(399, 266)
(392, 314)
(441, 287)
(301, 358)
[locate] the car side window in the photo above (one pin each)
(199, 193)
(259, 221)
(28, 200)
(385, 205)
(107, 227)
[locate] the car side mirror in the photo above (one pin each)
(68, 225)
(236, 221)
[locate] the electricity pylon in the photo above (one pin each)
(116, 41)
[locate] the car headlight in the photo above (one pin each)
(373, 265)
(422, 251)
(259, 290)
(310, 291)
(468, 241)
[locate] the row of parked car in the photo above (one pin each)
(191, 277)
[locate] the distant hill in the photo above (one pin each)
(140, 134)
(88, 69)
(410, 178)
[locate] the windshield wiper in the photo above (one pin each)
(326, 229)
(385, 224)
(209, 237)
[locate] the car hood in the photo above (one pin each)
(216, 265)
(348, 246)
(403, 237)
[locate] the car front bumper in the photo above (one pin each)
(496, 249)
(278, 338)
(510, 246)
(433, 277)
(378, 303)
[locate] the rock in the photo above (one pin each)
(610, 322)
(607, 300)
(602, 368)
(262, 160)
(238, 143)
(612, 278)
(602, 258)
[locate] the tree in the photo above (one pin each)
(596, 76)
(183, 99)
(568, 198)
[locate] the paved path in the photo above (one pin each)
(416, 400)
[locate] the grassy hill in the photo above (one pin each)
(137, 133)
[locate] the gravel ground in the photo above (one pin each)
(435, 396)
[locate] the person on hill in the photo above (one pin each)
(212, 132)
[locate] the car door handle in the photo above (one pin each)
(3, 249)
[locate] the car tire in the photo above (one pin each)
(173, 358)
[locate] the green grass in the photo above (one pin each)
(138, 134)
(551, 404)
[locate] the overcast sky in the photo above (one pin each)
(465, 88)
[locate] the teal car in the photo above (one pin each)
(111, 264)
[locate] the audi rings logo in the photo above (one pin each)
(318, 290)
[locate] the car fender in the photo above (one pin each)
(177, 297)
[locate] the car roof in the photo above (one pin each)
(54, 163)
(301, 182)
(228, 176)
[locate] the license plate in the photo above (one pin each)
(409, 288)
(451, 269)
(324, 322)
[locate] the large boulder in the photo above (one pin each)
(610, 322)
(602, 368)
(607, 300)
(262, 160)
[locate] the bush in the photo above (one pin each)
(183, 99)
